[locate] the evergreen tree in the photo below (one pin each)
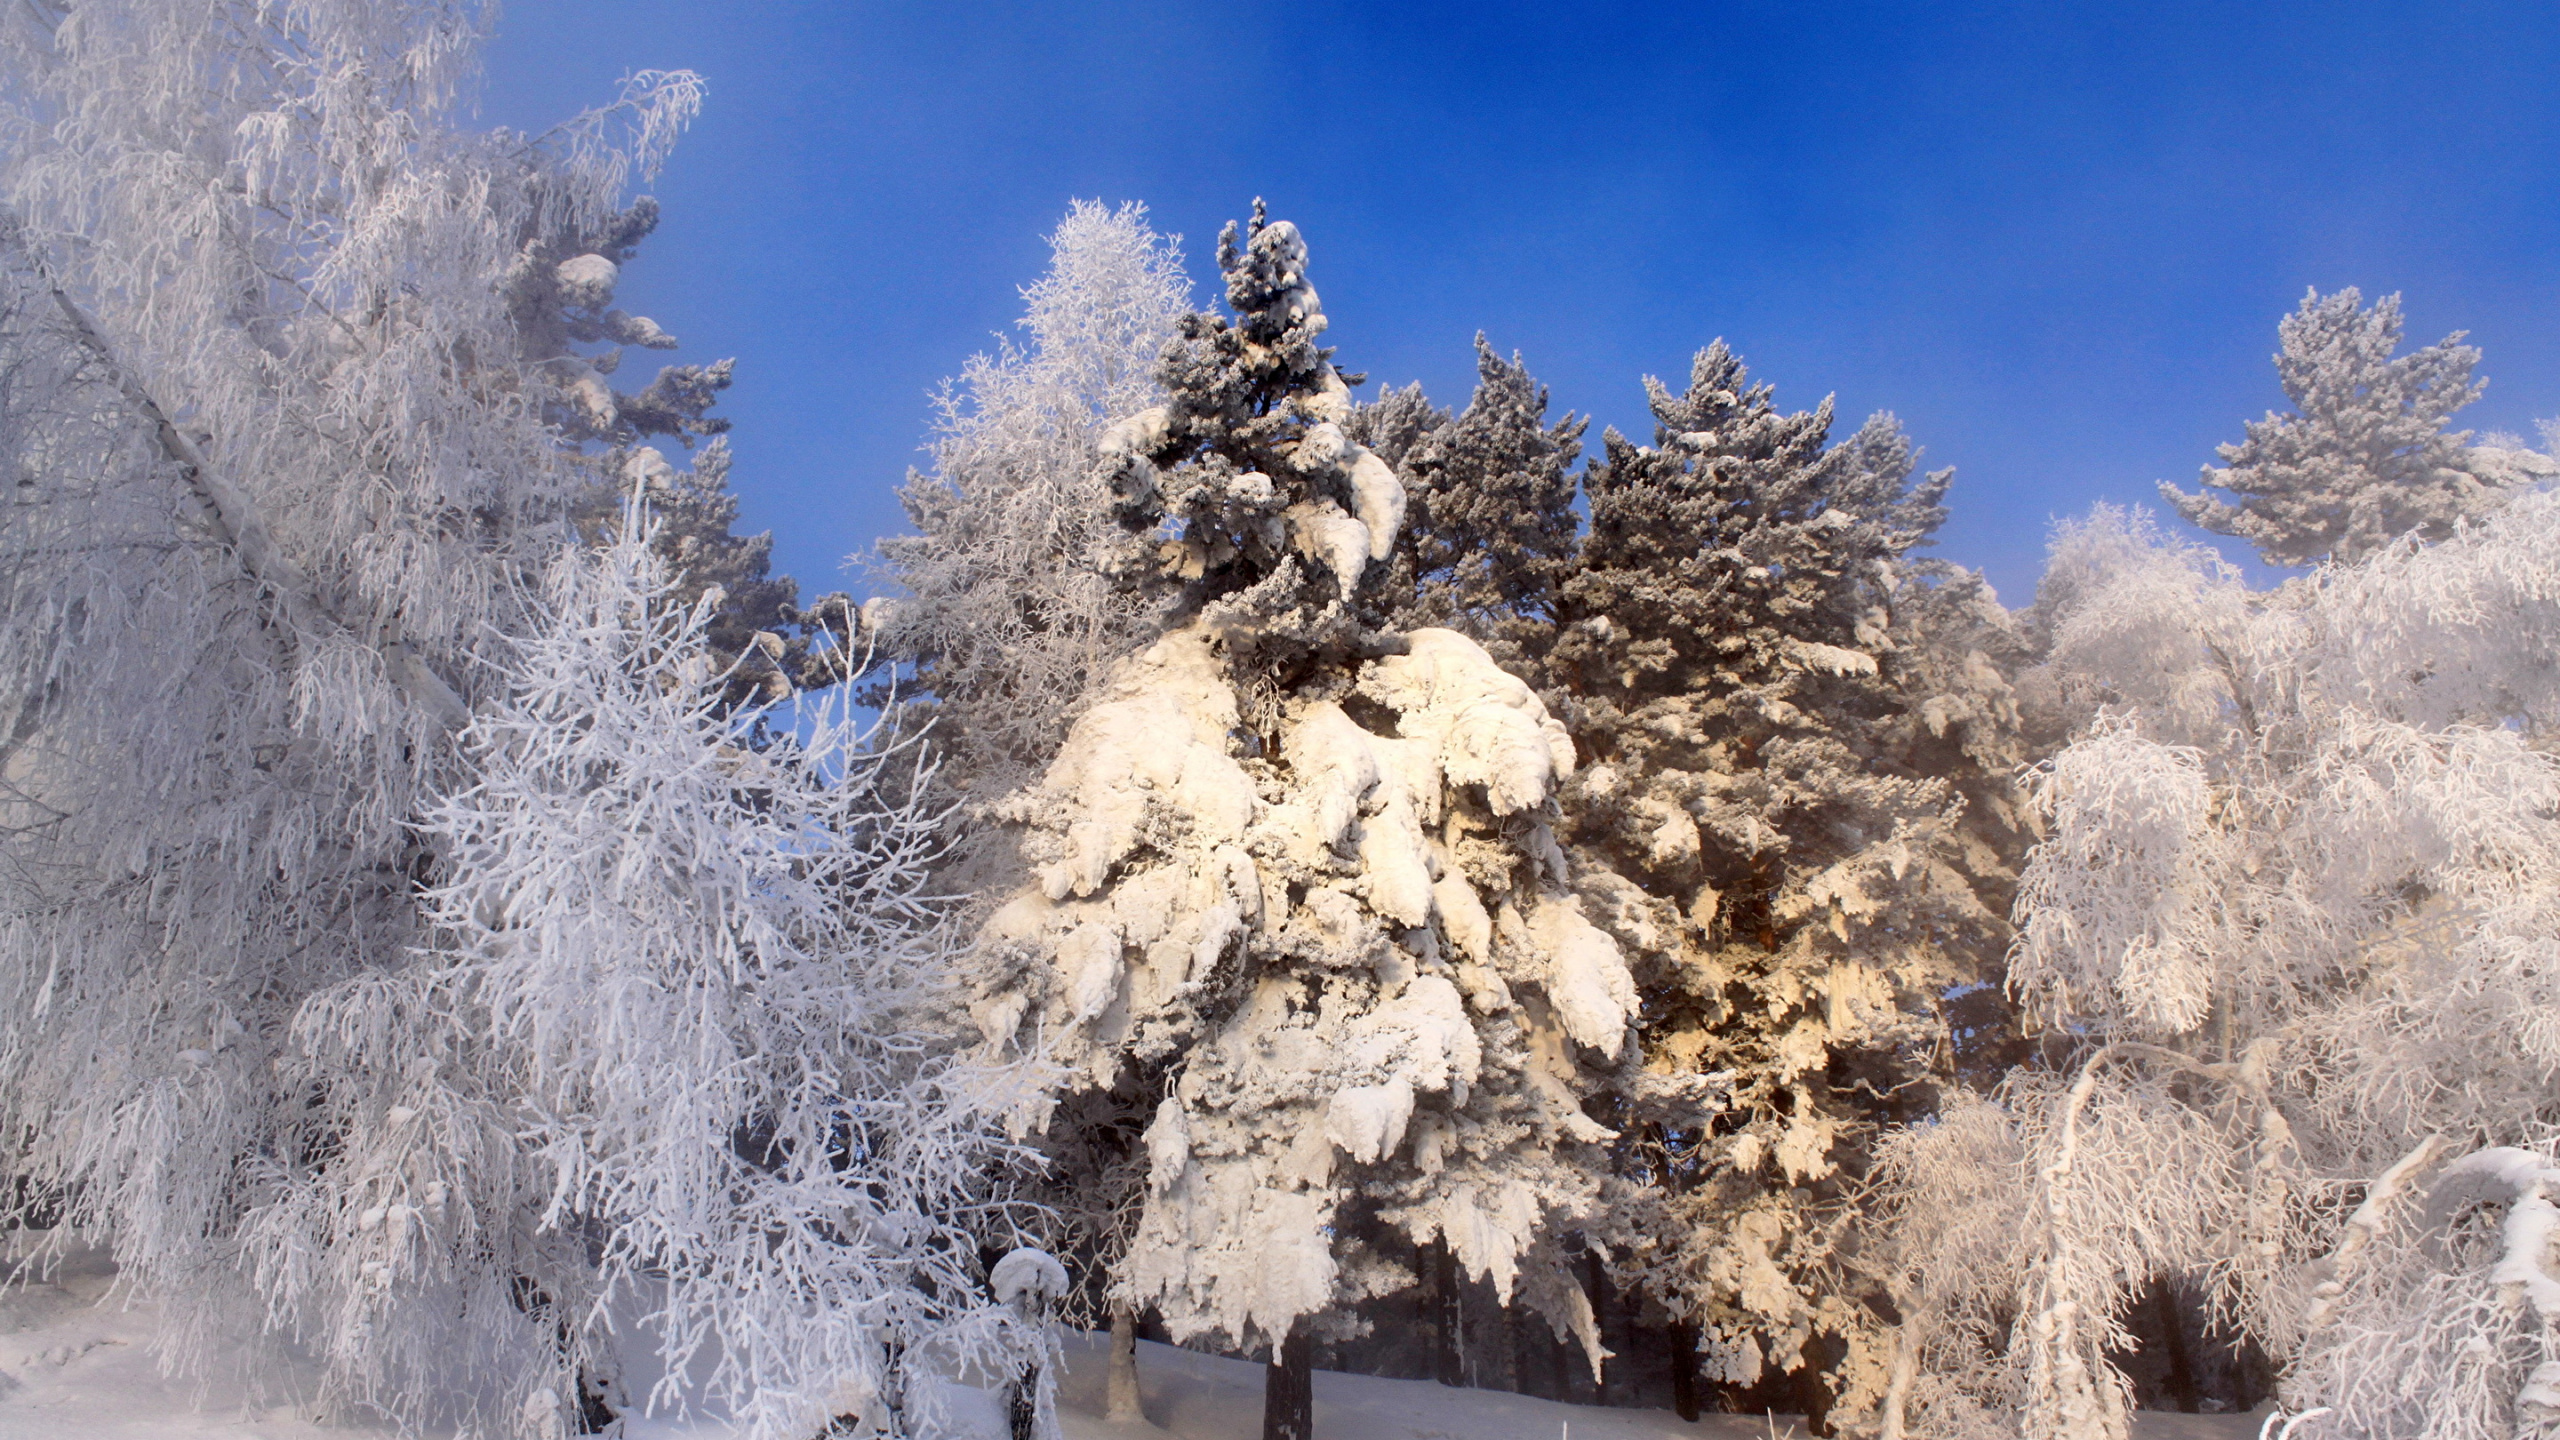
(1490, 531)
(1295, 901)
(1792, 816)
(2365, 458)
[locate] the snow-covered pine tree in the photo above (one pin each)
(1490, 532)
(293, 421)
(2365, 458)
(1791, 816)
(2297, 906)
(1295, 897)
(777, 647)
(1018, 589)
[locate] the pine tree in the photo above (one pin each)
(1295, 903)
(1778, 706)
(1490, 531)
(562, 296)
(2365, 458)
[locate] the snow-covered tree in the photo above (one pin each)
(1490, 532)
(295, 419)
(1017, 592)
(661, 1052)
(2297, 905)
(1792, 814)
(1294, 894)
(2365, 458)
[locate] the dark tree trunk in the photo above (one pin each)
(1022, 1404)
(1684, 1369)
(1289, 1388)
(1813, 1387)
(2181, 1379)
(1448, 1342)
(595, 1416)
(1516, 1337)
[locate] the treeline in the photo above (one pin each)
(1331, 876)
(1745, 960)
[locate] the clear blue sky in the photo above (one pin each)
(2054, 238)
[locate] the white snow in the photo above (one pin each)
(1587, 979)
(76, 1366)
(587, 279)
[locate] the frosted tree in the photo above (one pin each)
(663, 1049)
(296, 416)
(2365, 458)
(2296, 899)
(1784, 715)
(1490, 531)
(1018, 593)
(1017, 588)
(1294, 896)
(776, 646)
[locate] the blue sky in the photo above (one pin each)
(2054, 238)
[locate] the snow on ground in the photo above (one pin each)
(73, 1368)
(76, 1364)
(1189, 1396)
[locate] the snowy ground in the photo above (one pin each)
(72, 1368)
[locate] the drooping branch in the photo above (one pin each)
(2363, 1226)
(231, 515)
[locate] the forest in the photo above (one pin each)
(1285, 866)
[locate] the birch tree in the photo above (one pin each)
(1018, 591)
(303, 399)
(2297, 896)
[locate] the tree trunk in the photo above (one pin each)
(2173, 1334)
(1122, 1382)
(1684, 1369)
(1813, 1387)
(1289, 1388)
(1022, 1405)
(1448, 1361)
(1515, 1339)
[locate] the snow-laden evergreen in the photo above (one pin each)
(2365, 458)
(1793, 811)
(1294, 897)
(1802, 895)
(1490, 531)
